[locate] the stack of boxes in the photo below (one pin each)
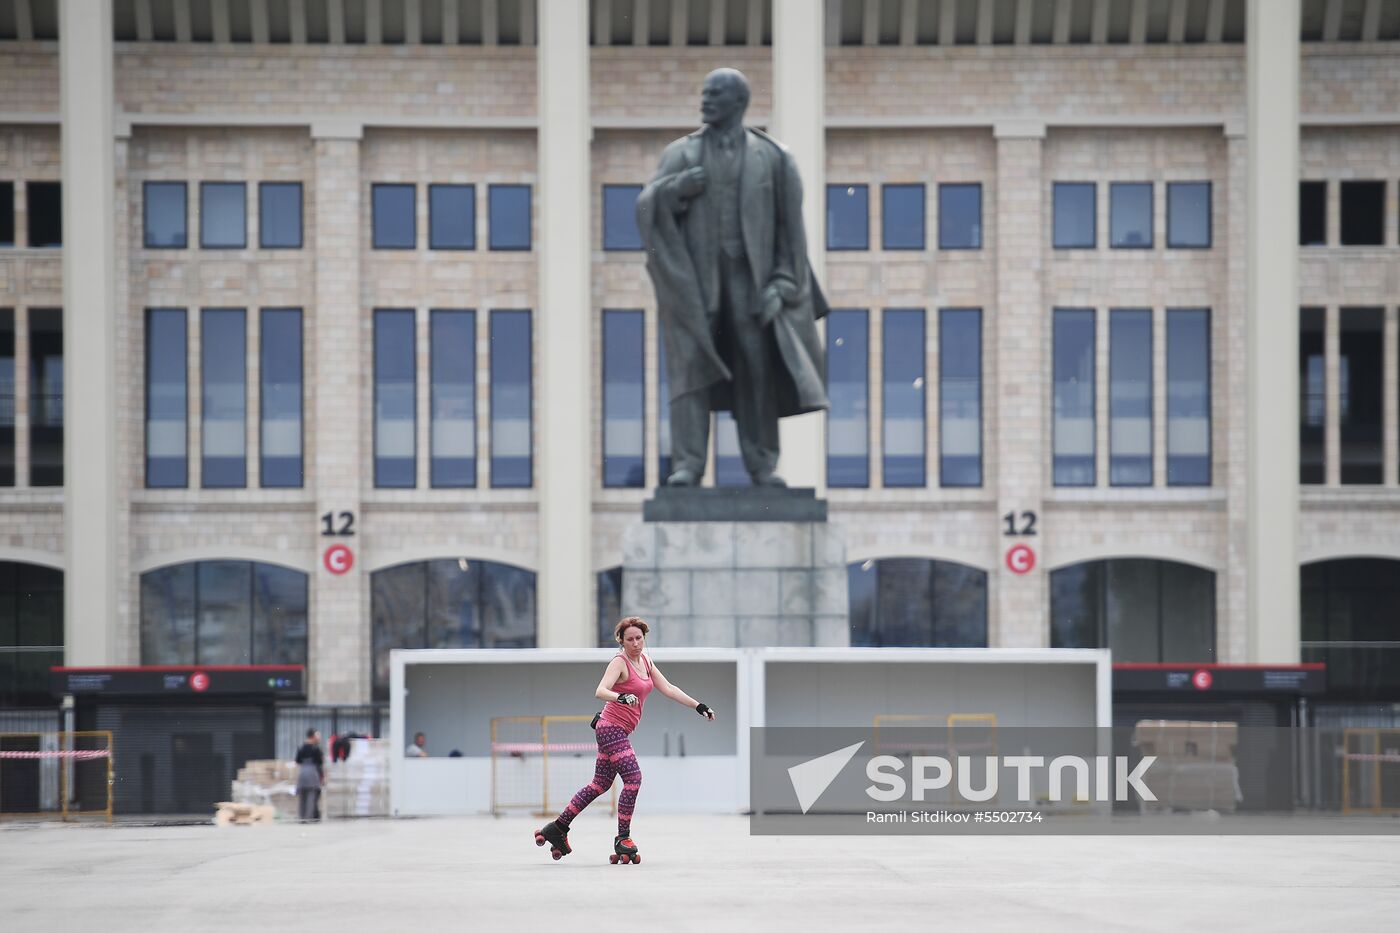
(1195, 767)
(268, 783)
(358, 786)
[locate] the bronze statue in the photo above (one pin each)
(722, 225)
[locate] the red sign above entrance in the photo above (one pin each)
(1020, 559)
(339, 559)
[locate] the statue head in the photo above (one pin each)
(724, 98)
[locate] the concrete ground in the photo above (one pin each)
(697, 873)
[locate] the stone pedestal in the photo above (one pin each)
(727, 581)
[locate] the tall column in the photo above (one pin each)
(89, 333)
(1272, 337)
(799, 120)
(564, 441)
(1019, 330)
(339, 637)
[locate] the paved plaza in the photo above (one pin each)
(698, 873)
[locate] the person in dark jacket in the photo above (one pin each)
(311, 776)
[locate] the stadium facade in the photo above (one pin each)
(324, 325)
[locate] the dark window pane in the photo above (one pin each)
(394, 224)
(729, 461)
(1133, 609)
(1312, 408)
(624, 393)
(663, 412)
(1363, 213)
(1076, 606)
(902, 217)
(507, 606)
(7, 397)
(1312, 213)
(279, 215)
(903, 433)
(620, 217)
(1188, 613)
(512, 447)
(1188, 214)
(7, 213)
(398, 614)
(960, 397)
(45, 397)
(395, 399)
(1076, 223)
(1145, 611)
(44, 203)
(959, 216)
(959, 605)
(452, 216)
(166, 213)
(167, 615)
(166, 400)
(1074, 397)
(847, 217)
(904, 603)
(1130, 215)
(223, 215)
(609, 604)
(848, 381)
(454, 611)
(279, 615)
(1360, 367)
(453, 401)
(510, 216)
(281, 429)
(224, 612)
(1130, 397)
(914, 602)
(1188, 397)
(1349, 606)
(224, 404)
(862, 590)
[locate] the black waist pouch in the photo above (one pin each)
(594, 724)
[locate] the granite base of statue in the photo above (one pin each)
(737, 567)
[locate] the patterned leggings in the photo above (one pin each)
(615, 756)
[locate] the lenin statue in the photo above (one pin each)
(722, 225)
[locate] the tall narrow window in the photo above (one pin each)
(512, 463)
(1312, 213)
(223, 215)
(1360, 369)
(960, 396)
(393, 216)
(510, 216)
(902, 216)
(167, 418)
(45, 209)
(7, 397)
(1130, 215)
(1188, 214)
(280, 437)
(663, 412)
(848, 381)
(279, 215)
(165, 215)
(1363, 213)
(1188, 397)
(395, 399)
(7, 213)
(452, 217)
(46, 396)
(624, 394)
(847, 217)
(1074, 397)
(729, 459)
(1130, 397)
(903, 360)
(453, 400)
(1076, 223)
(1312, 408)
(620, 217)
(960, 216)
(224, 418)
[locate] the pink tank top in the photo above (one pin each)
(620, 714)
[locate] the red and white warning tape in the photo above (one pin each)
(76, 755)
(534, 748)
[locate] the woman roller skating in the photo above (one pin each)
(630, 677)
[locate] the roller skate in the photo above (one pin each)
(558, 838)
(624, 851)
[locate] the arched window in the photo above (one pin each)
(1149, 611)
(913, 601)
(31, 631)
(609, 604)
(1351, 622)
(223, 612)
(452, 603)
